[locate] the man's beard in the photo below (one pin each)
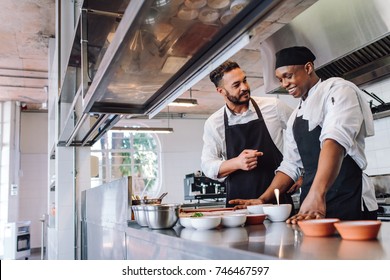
(236, 100)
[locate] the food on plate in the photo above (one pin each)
(238, 5)
(195, 4)
(208, 15)
(218, 4)
(197, 214)
(186, 13)
(227, 16)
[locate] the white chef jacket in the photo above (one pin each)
(275, 114)
(339, 107)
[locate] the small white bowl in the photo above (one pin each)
(185, 222)
(277, 213)
(256, 209)
(233, 220)
(205, 222)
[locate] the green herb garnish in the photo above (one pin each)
(197, 214)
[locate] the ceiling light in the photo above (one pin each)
(184, 102)
(145, 129)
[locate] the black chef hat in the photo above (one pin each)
(294, 56)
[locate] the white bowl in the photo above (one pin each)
(233, 220)
(256, 209)
(277, 213)
(185, 222)
(206, 222)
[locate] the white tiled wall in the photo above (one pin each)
(378, 146)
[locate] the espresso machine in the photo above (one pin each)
(199, 187)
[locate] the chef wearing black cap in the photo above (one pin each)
(326, 137)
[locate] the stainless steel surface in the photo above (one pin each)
(140, 215)
(266, 241)
(162, 216)
(353, 43)
(104, 220)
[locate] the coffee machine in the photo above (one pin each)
(199, 187)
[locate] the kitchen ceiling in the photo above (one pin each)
(27, 26)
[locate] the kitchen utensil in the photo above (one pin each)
(162, 195)
(358, 230)
(139, 215)
(276, 191)
(318, 227)
(162, 216)
(277, 213)
(146, 201)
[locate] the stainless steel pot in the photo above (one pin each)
(140, 215)
(162, 216)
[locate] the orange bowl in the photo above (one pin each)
(318, 227)
(255, 219)
(358, 230)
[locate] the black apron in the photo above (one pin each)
(252, 135)
(343, 199)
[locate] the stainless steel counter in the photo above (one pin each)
(267, 241)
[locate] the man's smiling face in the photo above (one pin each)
(295, 79)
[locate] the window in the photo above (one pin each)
(123, 153)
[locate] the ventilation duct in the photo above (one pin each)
(352, 43)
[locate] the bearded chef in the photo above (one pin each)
(243, 140)
(326, 137)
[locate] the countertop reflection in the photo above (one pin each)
(280, 240)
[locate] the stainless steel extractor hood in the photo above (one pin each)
(136, 56)
(160, 47)
(350, 38)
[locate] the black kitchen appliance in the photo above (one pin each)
(199, 187)
(382, 193)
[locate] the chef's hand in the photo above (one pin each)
(243, 203)
(296, 185)
(247, 160)
(313, 207)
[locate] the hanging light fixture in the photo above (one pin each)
(145, 129)
(137, 129)
(184, 102)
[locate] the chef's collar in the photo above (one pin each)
(312, 90)
(231, 113)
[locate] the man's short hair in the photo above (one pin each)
(217, 74)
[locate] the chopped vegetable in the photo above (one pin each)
(197, 214)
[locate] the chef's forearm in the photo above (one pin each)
(227, 167)
(281, 181)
